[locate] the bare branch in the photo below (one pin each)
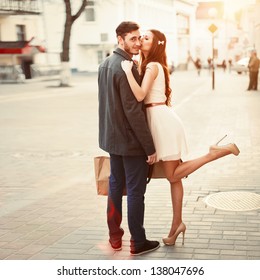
(67, 7)
(81, 9)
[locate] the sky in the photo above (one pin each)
(232, 6)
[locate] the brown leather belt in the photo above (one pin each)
(154, 104)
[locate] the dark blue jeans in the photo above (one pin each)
(129, 171)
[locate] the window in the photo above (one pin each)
(183, 24)
(100, 56)
(90, 11)
(20, 32)
(103, 37)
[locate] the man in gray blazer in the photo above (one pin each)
(124, 134)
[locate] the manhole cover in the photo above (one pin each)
(234, 201)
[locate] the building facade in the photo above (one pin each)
(20, 36)
(238, 30)
(93, 34)
(250, 24)
(31, 31)
(257, 27)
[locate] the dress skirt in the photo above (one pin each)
(168, 133)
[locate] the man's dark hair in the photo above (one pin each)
(126, 27)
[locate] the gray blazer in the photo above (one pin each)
(123, 128)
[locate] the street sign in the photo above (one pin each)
(213, 28)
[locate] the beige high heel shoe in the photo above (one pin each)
(169, 241)
(232, 148)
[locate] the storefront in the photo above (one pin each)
(17, 56)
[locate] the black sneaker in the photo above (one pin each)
(116, 245)
(147, 247)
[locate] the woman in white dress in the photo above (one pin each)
(170, 144)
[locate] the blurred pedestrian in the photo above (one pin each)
(230, 63)
(224, 65)
(253, 66)
(125, 135)
(198, 65)
(209, 64)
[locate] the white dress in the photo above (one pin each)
(166, 127)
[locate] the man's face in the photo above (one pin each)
(131, 43)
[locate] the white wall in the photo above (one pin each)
(86, 41)
(32, 26)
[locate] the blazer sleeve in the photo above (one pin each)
(136, 116)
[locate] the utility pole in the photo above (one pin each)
(213, 28)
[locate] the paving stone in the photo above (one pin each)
(49, 205)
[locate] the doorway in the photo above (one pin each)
(26, 66)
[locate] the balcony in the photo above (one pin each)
(19, 7)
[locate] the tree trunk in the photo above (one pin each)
(65, 69)
(65, 75)
(65, 56)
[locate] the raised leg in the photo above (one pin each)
(186, 168)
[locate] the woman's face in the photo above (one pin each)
(146, 41)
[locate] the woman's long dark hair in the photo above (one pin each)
(158, 54)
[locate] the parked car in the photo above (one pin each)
(241, 66)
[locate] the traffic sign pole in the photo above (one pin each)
(213, 28)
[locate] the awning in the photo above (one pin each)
(19, 47)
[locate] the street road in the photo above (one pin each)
(49, 136)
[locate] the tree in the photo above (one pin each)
(70, 19)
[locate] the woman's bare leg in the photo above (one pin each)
(176, 196)
(186, 168)
(176, 170)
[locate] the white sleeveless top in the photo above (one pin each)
(157, 92)
(166, 127)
